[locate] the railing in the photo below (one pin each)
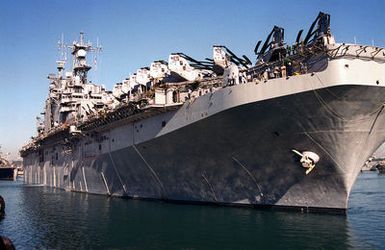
(356, 51)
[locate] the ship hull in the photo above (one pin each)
(232, 147)
(7, 173)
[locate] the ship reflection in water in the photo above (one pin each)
(41, 217)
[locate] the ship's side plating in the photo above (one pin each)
(234, 145)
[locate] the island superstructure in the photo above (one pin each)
(291, 131)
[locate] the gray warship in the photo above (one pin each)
(7, 170)
(290, 131)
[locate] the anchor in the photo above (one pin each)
(308, 159)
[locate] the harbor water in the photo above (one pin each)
(44, 218)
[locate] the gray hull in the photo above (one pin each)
(238, 153)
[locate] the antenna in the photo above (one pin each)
(62, 48)
(81, 40)
(96, 51)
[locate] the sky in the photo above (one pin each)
(135, 33)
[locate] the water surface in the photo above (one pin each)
(41, 217)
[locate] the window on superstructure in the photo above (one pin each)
(174, 96)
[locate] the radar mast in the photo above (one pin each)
(79, 52)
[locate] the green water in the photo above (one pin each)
(46, 218)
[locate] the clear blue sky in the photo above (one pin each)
(134, 33)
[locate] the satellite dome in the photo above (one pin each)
(81, 53)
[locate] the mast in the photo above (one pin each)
(79, 53)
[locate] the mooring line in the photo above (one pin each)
(151, 170)
(210, 186)
(105, 183)
(117, 173)
(249, 173)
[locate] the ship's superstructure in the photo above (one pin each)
(292, 130)
(71, 97)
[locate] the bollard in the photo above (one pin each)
(6, 243)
